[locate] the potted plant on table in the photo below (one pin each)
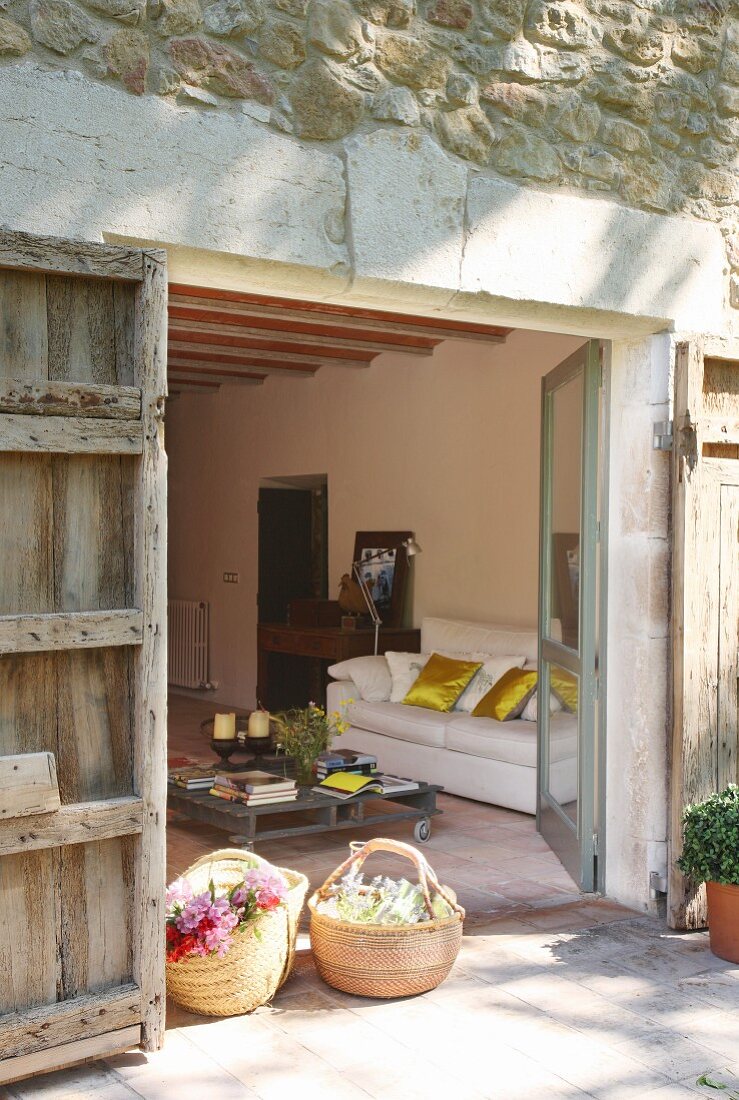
(711, 855)
(304, 733)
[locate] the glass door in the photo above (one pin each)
(568, 613)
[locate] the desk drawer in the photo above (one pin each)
(299, 643)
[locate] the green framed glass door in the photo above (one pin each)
(568, 757)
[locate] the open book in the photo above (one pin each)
(344, 785)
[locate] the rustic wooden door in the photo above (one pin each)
(705, 593)
(82, 650)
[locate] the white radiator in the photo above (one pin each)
(187, 640)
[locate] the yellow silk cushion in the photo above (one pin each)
(441, 682)
(508, 697)
(564, 686)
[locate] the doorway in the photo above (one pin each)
(292, 566)
(569, 808)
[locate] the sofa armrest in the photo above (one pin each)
(338, 695)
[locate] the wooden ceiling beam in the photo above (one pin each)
(207, 374)
(193, 384)
(260, 305)
(219, 321)
(257, 357)
(203, 333)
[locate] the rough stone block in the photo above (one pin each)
(554, 239)
(517, 100)
(178, 17)
(451, 13)
(282, 44)
(466, 132)
(578, 119)
(201, 62)
(231, 18)
(396, 105)
(626, 136)
(14, 42)
(730, 56)
(528, 155)
(127, 57)
(638, 43)
(558, 24)
(387, 13)
(462, 90)
(418, 237)
(324, 106)
(265, 197)
(412, 61)
(124, 11)
(503, 17)
(727, 99)
(60, 25)
(335, 28)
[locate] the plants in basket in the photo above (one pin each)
(304, 733)
(207, 923)
(711, 855)
(231, 926)
(387, 937)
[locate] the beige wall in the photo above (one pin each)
(447, 447)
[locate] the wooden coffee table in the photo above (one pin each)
(310, 813)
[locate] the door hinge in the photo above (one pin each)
(595, 845)
(662, 435)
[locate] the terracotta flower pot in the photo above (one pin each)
(723, 920)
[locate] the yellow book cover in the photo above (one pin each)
(348, 783)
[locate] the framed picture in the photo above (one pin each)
(566, 568)
(385, 569)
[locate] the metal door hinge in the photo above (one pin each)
(595, 844)
(662, 435)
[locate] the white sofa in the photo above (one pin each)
(478, 758)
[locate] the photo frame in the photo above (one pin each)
(388, 575)
(566, 569)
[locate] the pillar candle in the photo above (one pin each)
(224, 727)
(258, 724)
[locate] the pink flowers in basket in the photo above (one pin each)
(205, 924)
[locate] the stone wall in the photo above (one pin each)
(639, 99)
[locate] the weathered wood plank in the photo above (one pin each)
(326, 313)
(44, 1061)
(70, 435)
(23, 341)
(81, 321)
(76, 630)
(28, 930)
(727, 763)
(28, 785)
(150, 743)
(28, 703)
(124, 308)
(69, 257)
(75, 824)
(108, 878)
(70, 1021)
(70, 399)
(191, 344)
(223, 318)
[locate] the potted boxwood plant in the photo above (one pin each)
(711, 855)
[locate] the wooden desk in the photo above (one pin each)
(325, 645)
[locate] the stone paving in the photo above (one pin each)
(601, 1004)
(554, 994)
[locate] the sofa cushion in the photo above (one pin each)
(496, 639)
(370, 674)
(422, 727)
(514, 742)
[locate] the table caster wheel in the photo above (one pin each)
(422, 830)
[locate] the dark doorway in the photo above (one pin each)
(293, 565)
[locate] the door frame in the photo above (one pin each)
(588, 663)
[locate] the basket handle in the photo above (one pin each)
(398, 848)
(239, 854)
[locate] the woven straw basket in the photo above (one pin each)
(381, 960)
(256, 966)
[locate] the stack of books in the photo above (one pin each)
(343, 785)
(254, 788)
(351, 761)
(192, 779)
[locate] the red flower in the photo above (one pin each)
(267, 900)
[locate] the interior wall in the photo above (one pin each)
(446, 446)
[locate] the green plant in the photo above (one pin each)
(711, 839)
(305, 732)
